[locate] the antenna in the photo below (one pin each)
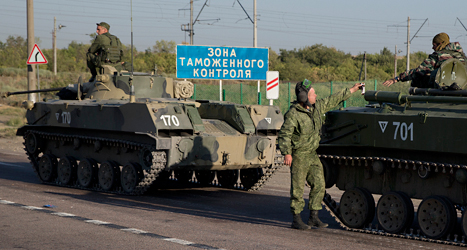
(132, 87)
(131, 18)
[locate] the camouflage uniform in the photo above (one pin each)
(299, 137)
(420, 76)
(94, 55)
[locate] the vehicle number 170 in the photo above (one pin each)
(403, 130)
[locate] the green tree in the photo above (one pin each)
(164, 46)
(14, 52)
(320, 55)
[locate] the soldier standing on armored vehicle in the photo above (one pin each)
(423, 75)
(106, 49)
(298, 140)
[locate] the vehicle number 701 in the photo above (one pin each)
(403, 130)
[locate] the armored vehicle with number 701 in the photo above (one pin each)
(402, 147)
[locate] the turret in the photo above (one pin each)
(114, 85)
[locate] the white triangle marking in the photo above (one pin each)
(383, 125)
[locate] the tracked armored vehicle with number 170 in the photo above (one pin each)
(124, 132)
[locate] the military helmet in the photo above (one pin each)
(301, 90)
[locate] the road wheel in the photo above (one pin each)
(357, 207)
(47, 168)
(436, 216)
(108, 175)
(86, 172)
(130, 177)
(394, 212)
(66, 170)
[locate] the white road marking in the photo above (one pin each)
(179, 241)
(32, 208)
(134, 230)
(97, 222)
(64, 214)
(6, 202)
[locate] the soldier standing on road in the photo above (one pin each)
(106, 49)
(423, 75)
(298, 140)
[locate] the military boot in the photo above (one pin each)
(298, 223)
(314, 220)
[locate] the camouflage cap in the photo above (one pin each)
(104, 24)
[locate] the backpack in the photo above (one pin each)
(113, 53)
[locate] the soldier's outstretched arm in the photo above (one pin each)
(390, 82)
(356, 87)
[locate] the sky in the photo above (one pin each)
(351, 26)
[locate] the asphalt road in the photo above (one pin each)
(38, 216)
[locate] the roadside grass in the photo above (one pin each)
(11, 119)
(16, 122)
(13, 111)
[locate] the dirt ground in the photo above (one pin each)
(14, 144)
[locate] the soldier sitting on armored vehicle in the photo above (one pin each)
(424, 75)
(105, 50)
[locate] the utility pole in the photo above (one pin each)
(362, 67)
(255, 41)
(410, 40)
(408, 43)
(395, 61)
(30, 29)
(54, 45)
(191, 22)
(364, 57)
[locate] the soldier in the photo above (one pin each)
(106, 49)
(423, 75)
(298, 140)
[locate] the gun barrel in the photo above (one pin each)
(7, 94)
(398, 98)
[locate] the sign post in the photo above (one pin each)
(272, 86)
(36, 57)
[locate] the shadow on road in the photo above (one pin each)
(191, 199)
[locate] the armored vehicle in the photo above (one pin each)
(123, 132)
(402, 147)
